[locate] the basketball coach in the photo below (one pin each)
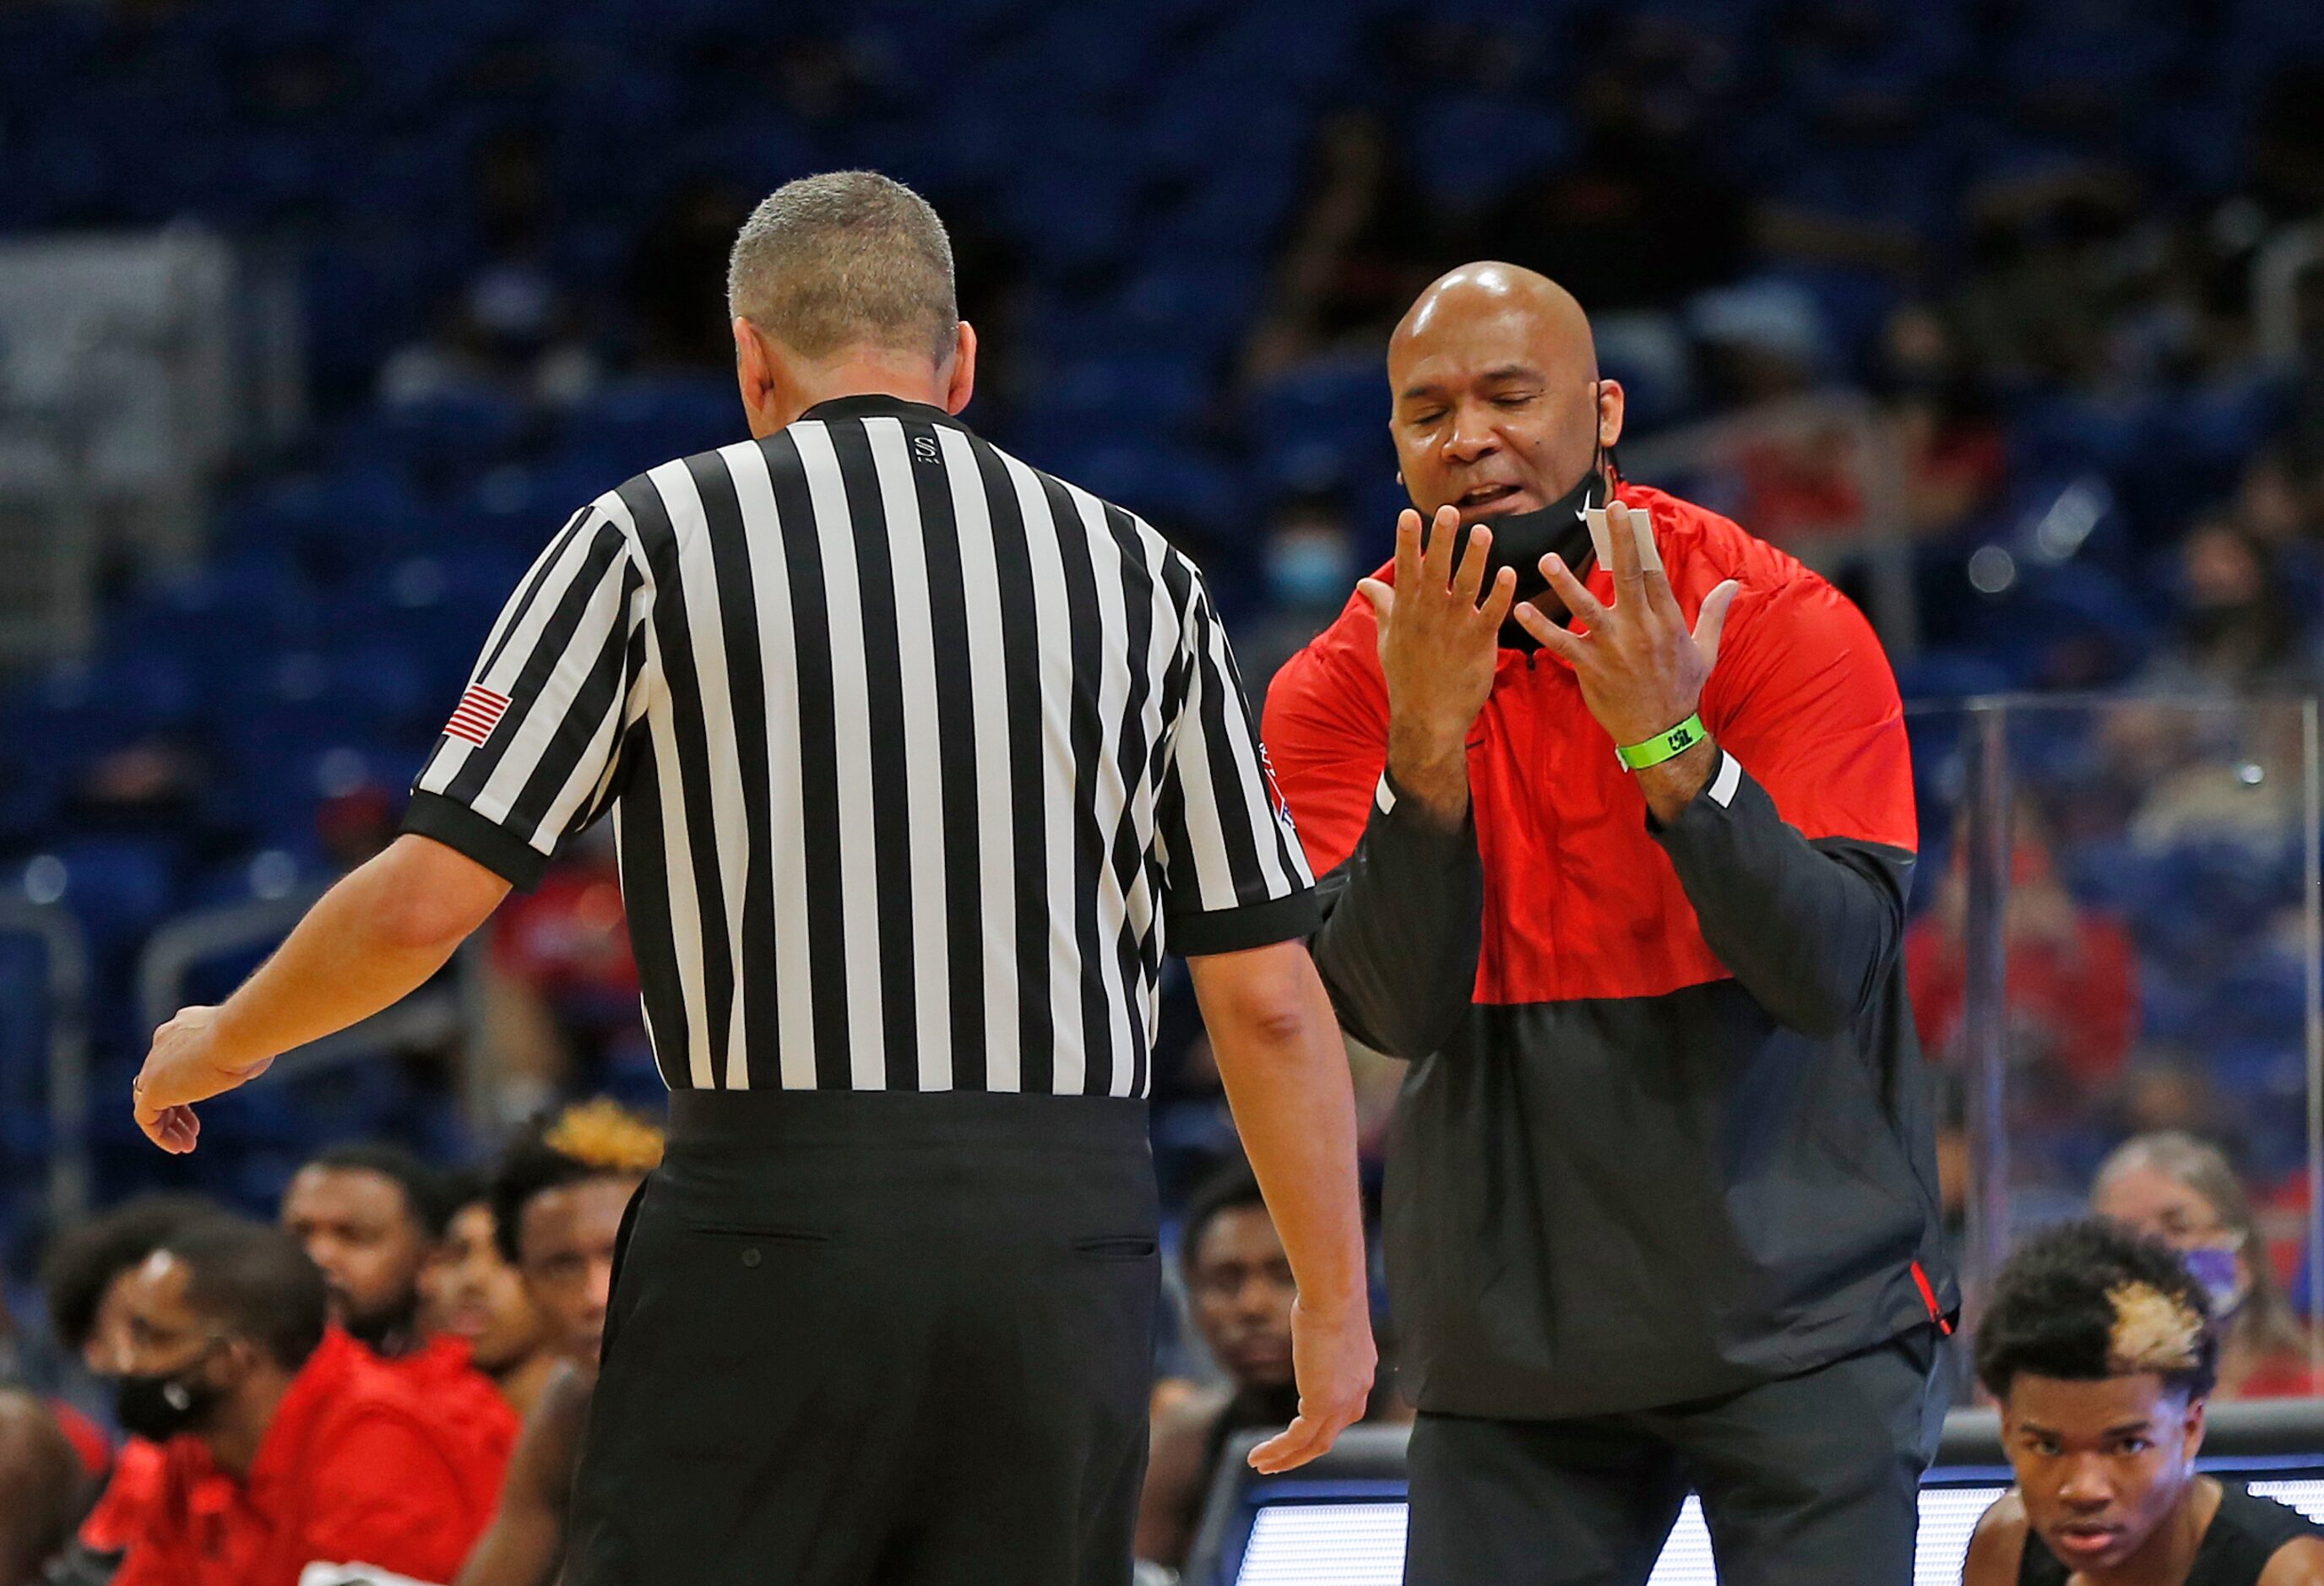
(919, 759)
(1615, 843)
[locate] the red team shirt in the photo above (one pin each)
(357, 1467)
(1580, 902)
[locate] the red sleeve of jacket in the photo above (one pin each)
(1325, 727)
(1803, 696)
(389, 1494)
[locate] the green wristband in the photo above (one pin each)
(1664, 746)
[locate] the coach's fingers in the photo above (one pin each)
(1407, 549)
(1498, 599)
(1551, 638)
(1621, 538)
(1436, 556)
(1469, 577)
(1710, 621)
(1381, 595)
(1572, 591)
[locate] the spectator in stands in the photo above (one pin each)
(1954, 454)
(2176, 1188)
(42, 1487)
(557, 1197)
(2101, 1350)
(1310, 561)
(2072, 986)
(471, 1292)
(285, 1442)
(1239, 1288)
(369, 1216)
(2238, 632)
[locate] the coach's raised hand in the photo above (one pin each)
(1641, 671)
(1436, 647)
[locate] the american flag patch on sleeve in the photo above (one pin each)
(480, 711)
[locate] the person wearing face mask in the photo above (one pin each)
(2176, 1188)
(1612, 809)
(284, 1442)
(2101, 1352)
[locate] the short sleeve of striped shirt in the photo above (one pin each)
(1235, 875)
(532, 751)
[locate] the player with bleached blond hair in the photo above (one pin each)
(2099, 1346)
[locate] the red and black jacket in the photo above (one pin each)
(1666, 1133)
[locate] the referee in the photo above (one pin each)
(919, 759)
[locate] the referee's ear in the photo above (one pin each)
(960, 381)
(760, 377)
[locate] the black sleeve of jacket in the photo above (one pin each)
(1403, 923)
(1809, 928)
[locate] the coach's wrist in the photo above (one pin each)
(1431, 774)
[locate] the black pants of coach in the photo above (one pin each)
(863, 1338)
(1812, 1480)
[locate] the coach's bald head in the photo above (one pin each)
(840, 285)
(1497, 406)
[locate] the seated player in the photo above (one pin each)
(370, 1217)
(2099, 1347)
(1239, 1290)
(42, 1487)
(86, 1275)
(284, 1442)
(559, 1196)
(471, 1292)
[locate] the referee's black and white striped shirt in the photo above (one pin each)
(918, 758)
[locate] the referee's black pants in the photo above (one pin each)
(1811, 1480)
(877, 1338)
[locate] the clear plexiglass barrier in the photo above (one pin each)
(2113, 946)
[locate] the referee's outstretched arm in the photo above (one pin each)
(373, 939)
(1285, 1070)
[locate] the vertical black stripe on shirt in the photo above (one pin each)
(674, 635)
(746, 695)
(620, 769)
(1128, 855)
(818, 762)
(1179, 679)
(1021, 667)
(645, 897)
(955, 767)
(892, 784)
(1085, 739)
(549, 647)
(1222, 722)
(586, 716)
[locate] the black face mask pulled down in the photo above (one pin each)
(1522, 539)
(159, 1405)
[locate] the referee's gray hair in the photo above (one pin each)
(850, 258)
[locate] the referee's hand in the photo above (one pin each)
(1333, 1358)
(184, 1066)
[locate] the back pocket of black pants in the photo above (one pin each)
(1115, 1248)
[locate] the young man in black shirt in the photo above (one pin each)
(2100, 1349)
